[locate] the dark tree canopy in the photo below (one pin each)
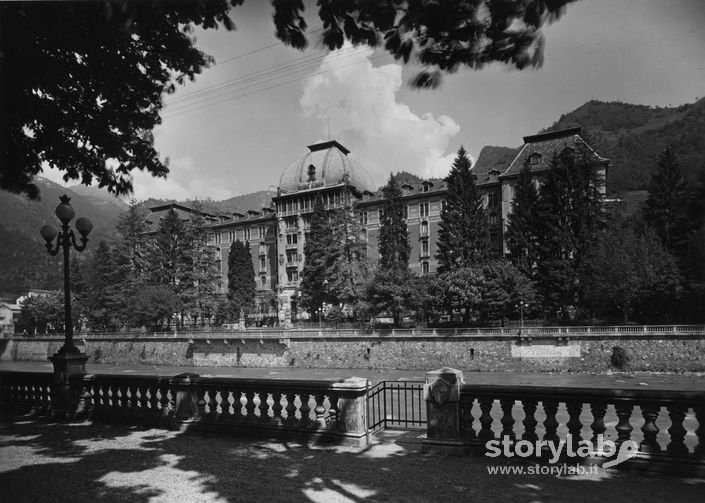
(82, 83)
(241, 277)
(463, 232)
(394, 247)
(320, 253)
(443, 36)
(522, 225)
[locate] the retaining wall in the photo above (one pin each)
(675, 353)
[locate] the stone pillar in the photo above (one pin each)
(64, 398)
(186, 406)
(442, 395)
(352, 409)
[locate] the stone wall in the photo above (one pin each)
(470, 353)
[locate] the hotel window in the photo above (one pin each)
(262, 264)
(380, 214)
(247, 234)
(424, 248)
(262, 231)
(292, 275)
(423, 209)
(492, 199)
(424, 268)
(494, 220)
(292, 239)
(444, 203)
(424, 229)
(363, 218)
(406, 212)
(263, 280)
(535, 158)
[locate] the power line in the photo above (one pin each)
(303, 63)
(233, 98)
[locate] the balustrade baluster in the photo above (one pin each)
(574, 425)
(250, 406)
(467, 418)
(333, 410)
(507, 418)
(700, 432)
(211, 404)
(676, 447)
(550, 407)
(164, 402)
(263, 406)
(486, 432)
(277, 408)
(650, 430)
(305, 409)
(530, 421)
(237, 406)
(624, 427)
(598, 409)
(320, 411)
(226, 405)
(290, 408)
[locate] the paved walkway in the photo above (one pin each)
(83, 462)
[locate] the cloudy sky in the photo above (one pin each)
(245, 119)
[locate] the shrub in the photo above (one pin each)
(619, 358)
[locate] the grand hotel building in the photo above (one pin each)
(276, 233)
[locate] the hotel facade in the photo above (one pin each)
(277, 233)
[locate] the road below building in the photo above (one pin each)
(694, 382)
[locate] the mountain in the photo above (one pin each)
(633, 137)
(24, 262)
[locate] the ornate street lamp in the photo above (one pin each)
(522, 306)
(66, 239)
(68, 360)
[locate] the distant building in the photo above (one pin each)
(277, 234)
(9, 312)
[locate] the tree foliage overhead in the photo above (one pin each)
(86, 86)
(463, 232)
(442, 36)
(82, 83)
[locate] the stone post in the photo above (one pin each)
(186, 398)
(352, 409)
(442, 395)
(64, 398)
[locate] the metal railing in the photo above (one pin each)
(396, 405)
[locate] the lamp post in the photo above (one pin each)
(68, 360)
(522, 305)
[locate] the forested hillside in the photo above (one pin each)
(633, 137)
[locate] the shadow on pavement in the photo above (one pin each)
(83, 462)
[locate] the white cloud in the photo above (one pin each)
(365, 116)
(184, 181)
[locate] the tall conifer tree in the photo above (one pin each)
(666, 208)
(463, 233)
(522, 231)
(320, 254)
(394, 247)
(241, 278)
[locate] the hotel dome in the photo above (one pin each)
(325, 165)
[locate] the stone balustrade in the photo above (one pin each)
(325, 410)
(668, 426)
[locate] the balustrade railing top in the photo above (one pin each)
(274, 333)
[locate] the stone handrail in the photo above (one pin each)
(272, 333)
(464, 417)
(327, 410)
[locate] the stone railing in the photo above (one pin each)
(526, 332)
(325, 410)
(667, 427)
